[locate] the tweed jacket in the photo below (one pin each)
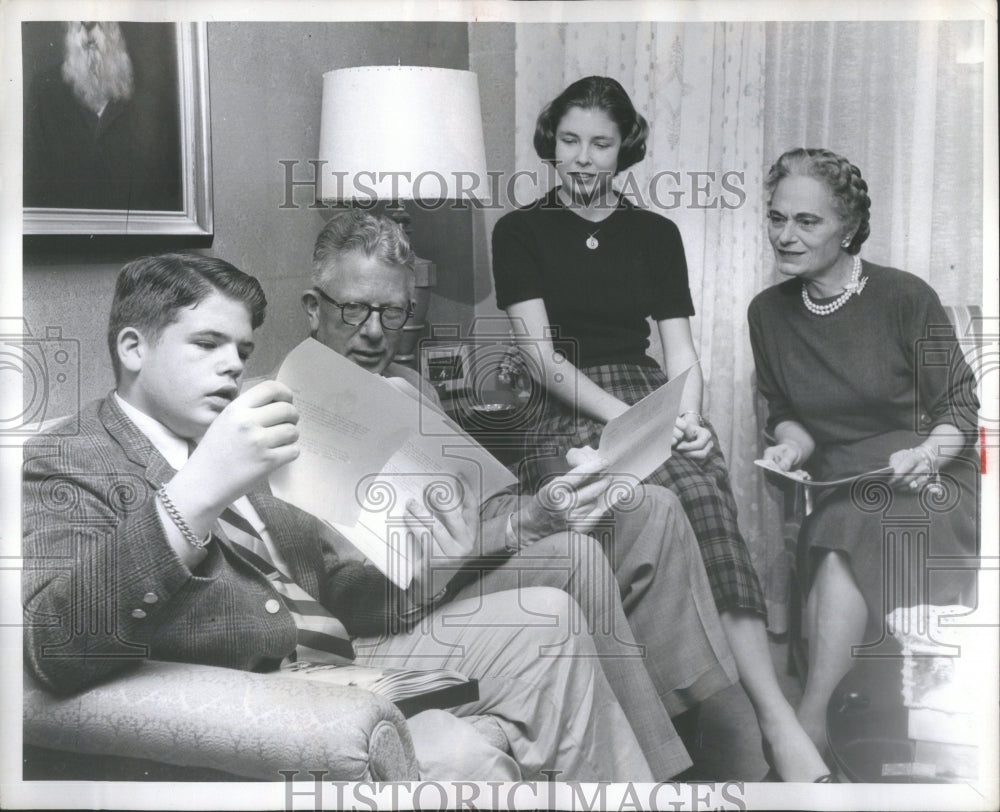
(103, 590)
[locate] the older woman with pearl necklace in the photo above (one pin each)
(861, 372)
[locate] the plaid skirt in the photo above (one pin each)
(702, 486)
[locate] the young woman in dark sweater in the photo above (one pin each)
(586, 265)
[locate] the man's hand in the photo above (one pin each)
(448, 532)
(576, 499)
(691, 439)
(253, 436)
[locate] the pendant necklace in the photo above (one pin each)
(591, 241)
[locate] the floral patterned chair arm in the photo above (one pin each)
(243, 724)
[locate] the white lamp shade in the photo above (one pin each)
(396, 133)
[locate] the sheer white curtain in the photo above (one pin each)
(903, 101)
(900, 99)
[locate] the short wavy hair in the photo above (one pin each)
(595, 93)
(842, 178)
(151, 291)
(358, 230)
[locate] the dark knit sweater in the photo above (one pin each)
(600, 298)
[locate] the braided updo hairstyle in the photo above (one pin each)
(842, 178)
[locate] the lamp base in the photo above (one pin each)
(425, 272)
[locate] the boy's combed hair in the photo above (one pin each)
(150, 292)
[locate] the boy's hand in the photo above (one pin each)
(251, 437)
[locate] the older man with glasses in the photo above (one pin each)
(657, 590)
(362, 265)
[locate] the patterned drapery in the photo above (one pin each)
(902, 100)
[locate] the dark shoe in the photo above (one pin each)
(829, 778)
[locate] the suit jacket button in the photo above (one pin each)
(272, 607)
(138, 614)
(150, 597)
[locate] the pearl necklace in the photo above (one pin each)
(852, 288)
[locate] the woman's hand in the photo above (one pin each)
(787, 456)
(691, 439)
(913, 466)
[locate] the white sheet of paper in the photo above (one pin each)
(803, 479)
(640, 440)
(341, 437)
(366, 449)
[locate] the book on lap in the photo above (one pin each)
(412, 690)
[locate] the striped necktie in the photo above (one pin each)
(321, 637)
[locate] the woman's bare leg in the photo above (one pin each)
(795, 757)
(835, 619)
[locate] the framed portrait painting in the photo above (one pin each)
(116, 128)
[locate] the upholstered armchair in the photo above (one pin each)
(175, 722)
(171, 721)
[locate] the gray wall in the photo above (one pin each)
(491, 56)
(265, 84)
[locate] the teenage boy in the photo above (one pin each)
(358, 303)
(150, 528)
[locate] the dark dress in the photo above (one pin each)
(870, 379)
(598, 301)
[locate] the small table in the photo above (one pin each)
(497, 427)
(867, 727)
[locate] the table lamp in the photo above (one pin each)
(394, 133)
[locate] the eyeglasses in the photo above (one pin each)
(357, 313)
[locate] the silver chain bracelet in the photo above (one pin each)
(178, 520)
